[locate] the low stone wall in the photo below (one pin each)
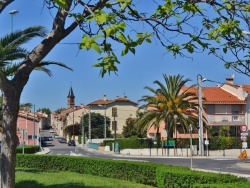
(181, 152)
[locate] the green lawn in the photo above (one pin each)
(30, 178)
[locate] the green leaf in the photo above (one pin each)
(132, 50)
(96, 47)
(124, 51)
(229, 6)
(101, 19)
(122, 38)
(148, 40)
(225, 50)
(61, 3)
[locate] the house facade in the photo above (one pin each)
(28, 128)
(118, 111)
(71, 115)
(223, 105)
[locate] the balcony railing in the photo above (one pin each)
(224, 119)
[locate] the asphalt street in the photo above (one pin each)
(213, 164)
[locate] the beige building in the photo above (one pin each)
(123, 107)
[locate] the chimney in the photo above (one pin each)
(230, 81)
(117, 97)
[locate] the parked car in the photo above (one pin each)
(50, 138)
(71, 143)
(51, 131)
(56, 136)
(62, 140)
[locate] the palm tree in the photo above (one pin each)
(11, 50)
(171, 103)
(16, 64)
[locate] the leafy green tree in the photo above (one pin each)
(108, 22)
(221, 32)
(44, 110)
(224, 131)
(58, 111)
(131, 129)
(97, 126)
(26, 106)
(169, 104)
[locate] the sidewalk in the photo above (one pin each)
(44, 151)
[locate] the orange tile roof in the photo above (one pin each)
(246, 88)
(102, 102)
(216, 95)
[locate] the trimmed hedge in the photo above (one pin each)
(28, 149)
(215, 143)
(175, 177)
(153, 174)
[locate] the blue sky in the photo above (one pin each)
(135, 71)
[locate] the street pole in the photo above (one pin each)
(73, 125)
(23, 140)
(105, 126)
(191, 145)
(89, 125)
(82, 131)
(34, 127)
(12, 13)
(201, 148)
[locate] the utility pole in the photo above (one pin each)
(105, 126)
(191, 146)
(34, 126)
(12, 13)
(89, 124)
(73, 125)
(201, 147)
(83, 131)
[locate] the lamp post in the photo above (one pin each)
(12, 13)
(34, 133)
(90, 124)
(73, 125)
(191, 145)
(201, 148)
(104, 107)
(82, 131)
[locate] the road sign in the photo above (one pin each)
(243, 155)
(243, 128)
(206, 142)
(244, 134)
(244, 145)
(244, 138)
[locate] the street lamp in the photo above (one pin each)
(200, 109)
(191, 145)
(104, 99)
(34, 126)
(12, 13)
(90, 125)
(83, 136)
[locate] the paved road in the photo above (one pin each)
(228, 165)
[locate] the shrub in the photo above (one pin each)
(153, 174)
(28, 149)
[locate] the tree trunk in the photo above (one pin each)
(11, 92)
(9, 140)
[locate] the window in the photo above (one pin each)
(30, 137)
(235, 117)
